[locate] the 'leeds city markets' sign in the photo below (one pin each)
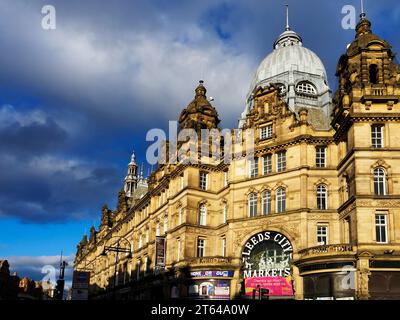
(266, 257)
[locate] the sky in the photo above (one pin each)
(77, 100)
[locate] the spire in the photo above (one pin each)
(287, 18)
(362, 15)
(133, 157)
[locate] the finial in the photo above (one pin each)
(287, 18)
(362, 15)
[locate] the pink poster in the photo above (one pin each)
(278, 286)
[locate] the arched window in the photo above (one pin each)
(252, 203)
(373, 74)
(380, 182)
(202, 214)
(306, 87)
(266, 202)
(281, 200)
(322, 197)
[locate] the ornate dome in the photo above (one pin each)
(300, 75)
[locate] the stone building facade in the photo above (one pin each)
(316, 209)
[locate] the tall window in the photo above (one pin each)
(253, 167)
(381, 228)
(281, 200)
(266, 202)
(178, 249)
(147, 235)
(140, 241)
(321, 157)
(138, 269)
(266, 132)
(165, 224)
(281, 161)
(223, 251)
(201, 247)
(373, 74)
(202, 214)
(267, 164)
(252, 203)
(377, 135)
(203, 180)
(380, 182)
(158, 229)
(322, 197)
(322, 235)
(225, 213)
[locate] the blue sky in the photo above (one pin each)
(75, 101)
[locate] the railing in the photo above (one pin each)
(326, 249)
(376, 91)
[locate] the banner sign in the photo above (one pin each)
(277, 286)
(266, 257)
(209, 290)
(211, 274)
(160, 251)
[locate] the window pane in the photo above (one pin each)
(321, 157)
(267, 165)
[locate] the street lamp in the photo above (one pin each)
(117, 249)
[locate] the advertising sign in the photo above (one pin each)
(266, 257)
(277, 286)
(211, 274)
(160, 251)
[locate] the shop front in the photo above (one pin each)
(211, 285)
(266, 258)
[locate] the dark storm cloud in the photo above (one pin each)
(114, 69)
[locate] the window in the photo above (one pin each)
(158, 229)
(140, 241)
(178, 249)
(253, 168)
(266, 202)
(322, 197)
(138, 270)
(373, 74)
(165, 224)
(377, 136)
(266, 132)
(320, 157)
(147, 235)
(281, 161)
(306, 88)
(322, 235)
(223, 247)
(225, 213)
(201, 246)
(202, 214)
(267, 165)
(252, 204)
(381, 228)
(281, 200)
(203, 180)
(379, 182)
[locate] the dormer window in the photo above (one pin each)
(306, 87)
(373, 74)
